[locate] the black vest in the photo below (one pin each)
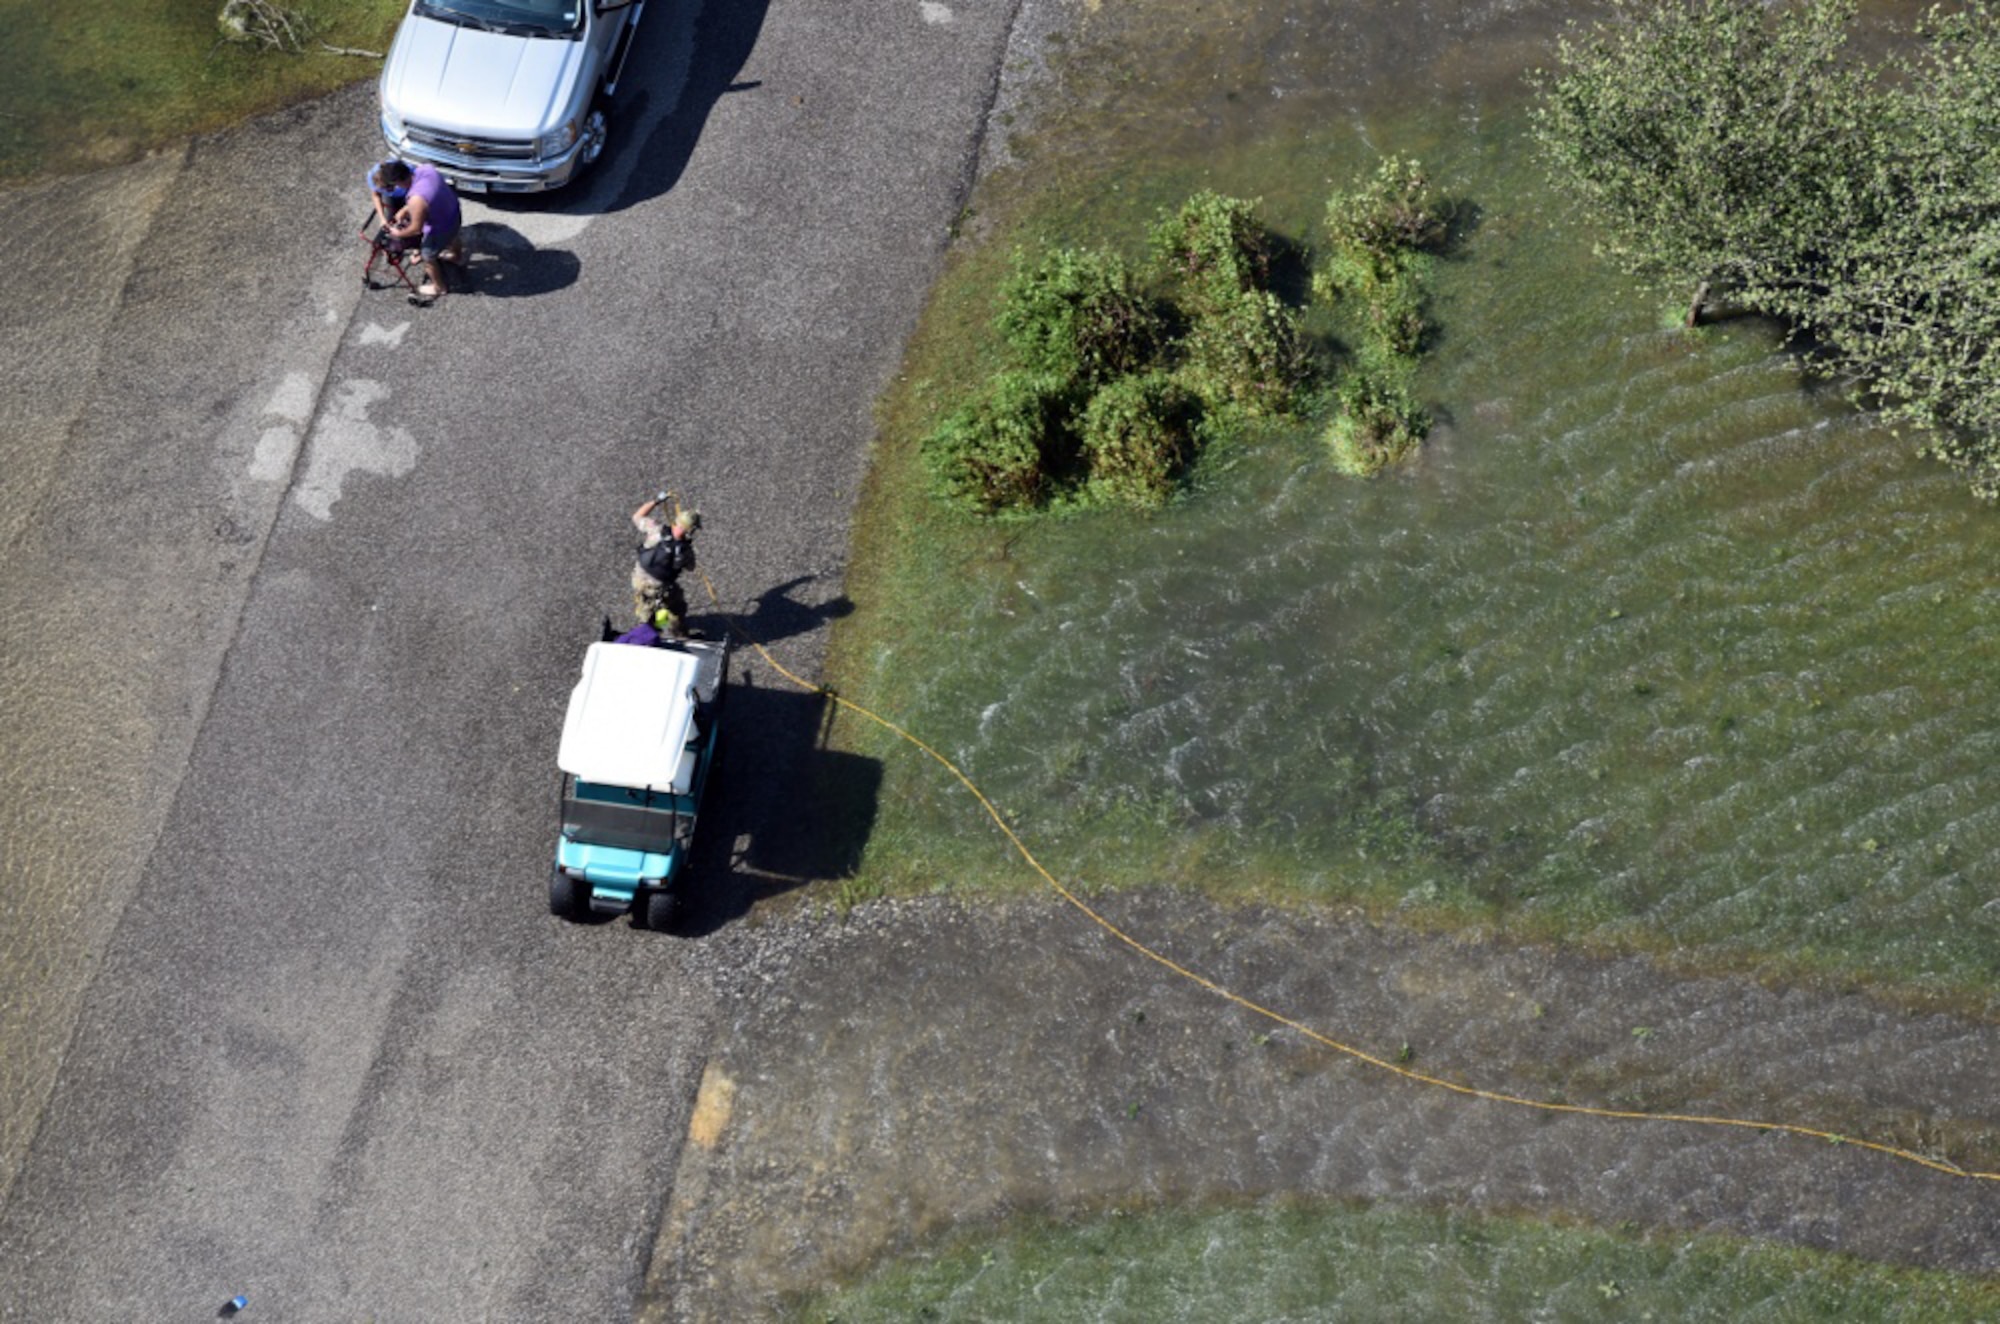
(665, 559)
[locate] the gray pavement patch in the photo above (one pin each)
(347, 441)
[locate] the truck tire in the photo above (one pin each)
(568, 898)
(595, 133)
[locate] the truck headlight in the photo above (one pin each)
(555, 144)
(392, 124)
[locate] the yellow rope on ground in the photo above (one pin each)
(1417, 1077)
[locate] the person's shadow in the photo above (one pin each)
(777, 616)
(500, 263)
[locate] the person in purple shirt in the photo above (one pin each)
(418, 204)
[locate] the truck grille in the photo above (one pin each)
(465, 147)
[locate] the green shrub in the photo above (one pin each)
(1379, 420)
(1138, 436)
(1377, 239)
(1390, 214)
(1076, 314)
(1214, 247)
(1116, 387)
(1006, 449)
(1377, 258)
(1246, 352)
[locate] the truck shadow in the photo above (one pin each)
(654, 125)
(782, 810)
(721, 43)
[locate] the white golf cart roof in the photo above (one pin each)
(630, 718)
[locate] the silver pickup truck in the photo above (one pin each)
(506, 96)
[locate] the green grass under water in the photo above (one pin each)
(98, 82)
(1380, 1264)
(1657, 646)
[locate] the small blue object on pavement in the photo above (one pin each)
(234, 1304)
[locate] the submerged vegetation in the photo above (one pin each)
(1741, 151)
(1380, 239)
(1351, 1263)
(98, 82)
(1117, 376)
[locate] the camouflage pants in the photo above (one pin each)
(649, 595)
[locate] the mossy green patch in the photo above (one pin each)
(98, 82)
(1348, 1263)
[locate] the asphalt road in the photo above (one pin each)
(297, 580)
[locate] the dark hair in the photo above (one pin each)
(390, 178)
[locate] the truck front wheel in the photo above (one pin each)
(595, 133)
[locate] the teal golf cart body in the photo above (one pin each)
(637, 748)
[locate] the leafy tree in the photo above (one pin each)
(1727, 145)
(1718, 140)
(1912, 307)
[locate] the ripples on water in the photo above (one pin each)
(1656, 642)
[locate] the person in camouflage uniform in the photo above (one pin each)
(666, 551)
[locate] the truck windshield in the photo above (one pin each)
(618, 816)
(519, 18)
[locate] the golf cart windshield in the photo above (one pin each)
(619, 816)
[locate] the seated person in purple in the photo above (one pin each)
(428, 213)
(642, 634)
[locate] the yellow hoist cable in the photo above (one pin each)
(1417, 1077)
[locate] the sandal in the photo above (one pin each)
(428, 291)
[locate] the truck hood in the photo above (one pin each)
(482, 84)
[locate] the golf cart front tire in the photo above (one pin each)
(658, 909)
(568, 898)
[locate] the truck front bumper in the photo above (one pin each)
(475, 165)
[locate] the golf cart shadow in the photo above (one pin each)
(783, 811)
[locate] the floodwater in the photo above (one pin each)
(1656, 646)
(1657, 643)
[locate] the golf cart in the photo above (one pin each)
(636, 752)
